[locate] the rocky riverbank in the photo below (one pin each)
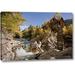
(12, 49)
(7, 44)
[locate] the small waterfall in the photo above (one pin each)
(22, 52)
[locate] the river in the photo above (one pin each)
(24, 52)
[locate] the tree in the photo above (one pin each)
(11, 21)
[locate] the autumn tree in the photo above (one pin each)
(11, 22)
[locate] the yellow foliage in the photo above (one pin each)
(67, 29)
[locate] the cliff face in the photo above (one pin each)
(6, 52)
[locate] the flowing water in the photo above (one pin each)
(23, 52)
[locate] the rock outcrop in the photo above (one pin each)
(7, 44)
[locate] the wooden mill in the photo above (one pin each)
(56, 24)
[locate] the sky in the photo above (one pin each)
(38, 18)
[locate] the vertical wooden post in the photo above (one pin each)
(60, 40)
